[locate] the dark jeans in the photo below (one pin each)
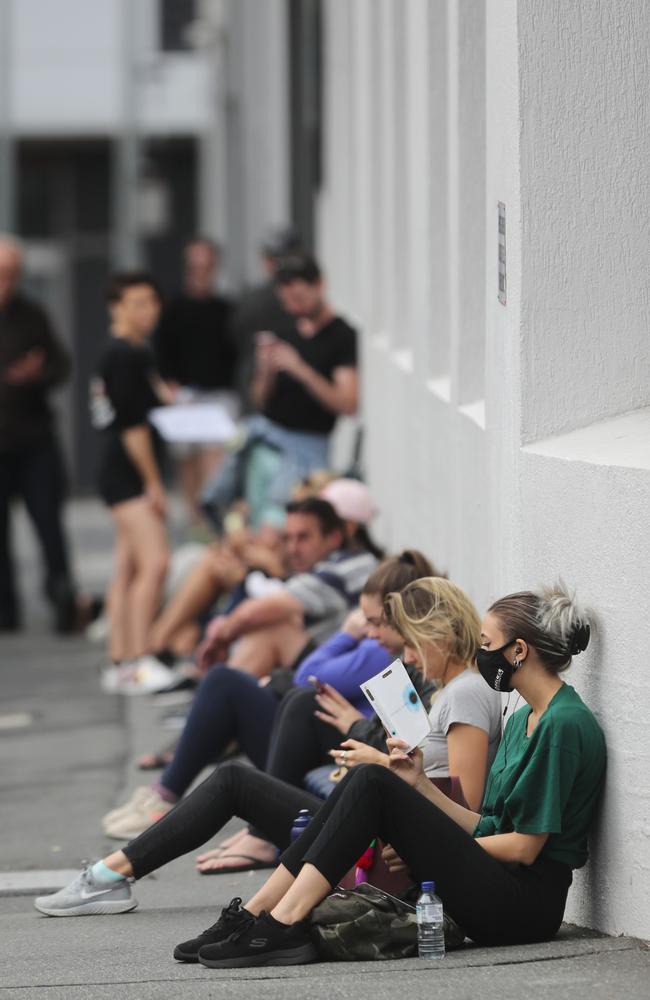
(36, 476)
(231, 790)
(495, 903)
(299, 741)
(229, 705)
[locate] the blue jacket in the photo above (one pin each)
(345, 663)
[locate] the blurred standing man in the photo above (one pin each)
(259, 308)
(196, 356)
(32, 362)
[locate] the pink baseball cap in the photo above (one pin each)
(350, 499)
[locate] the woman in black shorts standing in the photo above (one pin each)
(124, 391)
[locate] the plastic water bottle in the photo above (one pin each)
(302, 820)
(431, 928)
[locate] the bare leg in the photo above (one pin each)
(275, 887)
(116, 598)
(147, 540)
(263, 650)
(189, 474)
(199, 590)
(307, 890)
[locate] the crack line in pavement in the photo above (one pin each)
(270, 979)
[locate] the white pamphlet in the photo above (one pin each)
(397, 703)
(196, 423)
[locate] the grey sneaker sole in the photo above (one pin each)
(291, 956)
(90, 908)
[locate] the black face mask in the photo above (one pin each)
(495, 669)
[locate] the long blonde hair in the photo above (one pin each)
(434, 611)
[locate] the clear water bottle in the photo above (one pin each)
(431, 928)
(302, 820)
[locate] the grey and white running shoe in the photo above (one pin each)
(85, 896)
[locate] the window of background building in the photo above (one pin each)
(175, 18)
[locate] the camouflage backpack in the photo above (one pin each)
(368, 924)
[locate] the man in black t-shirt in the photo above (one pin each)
(304, 378)
(196, 356)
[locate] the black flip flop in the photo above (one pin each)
(254, 865)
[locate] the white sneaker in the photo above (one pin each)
(116, 678)
(138, 818)
(141, 794)
(150, 675)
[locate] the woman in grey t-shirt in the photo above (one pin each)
(441, 631)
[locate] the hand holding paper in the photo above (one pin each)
(396, 702)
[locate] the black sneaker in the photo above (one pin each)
(263, 941)
(232, 917)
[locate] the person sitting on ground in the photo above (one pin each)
(451, 628)
(232, 706)
(503, 873)
(248, 565)
(124, 391)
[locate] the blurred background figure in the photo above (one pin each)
(260, 307)
(197, 358)
(32, 362)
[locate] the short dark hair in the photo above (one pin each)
(121, 280)
(322, 510)
(298, 267)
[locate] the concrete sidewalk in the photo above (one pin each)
(69, 759)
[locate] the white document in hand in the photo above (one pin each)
(397, 703)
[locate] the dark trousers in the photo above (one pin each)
(36, 476)
(495, 903)
(229, 705)
(231, 790)
(299, 741)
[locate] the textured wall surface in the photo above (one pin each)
(585, 148)
(505, 492)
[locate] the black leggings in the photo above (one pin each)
(228, 705)
(299, 741)
(231, 790)
(495, 903)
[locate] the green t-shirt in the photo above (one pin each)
(548, 782)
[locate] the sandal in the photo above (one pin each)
(156, 761)
(252, 865)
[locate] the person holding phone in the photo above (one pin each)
(503, 873)
(267, 804)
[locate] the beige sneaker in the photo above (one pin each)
(141, 794)
(138, 817)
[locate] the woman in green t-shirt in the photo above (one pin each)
(504, 873)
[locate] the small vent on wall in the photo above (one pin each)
(502, 253)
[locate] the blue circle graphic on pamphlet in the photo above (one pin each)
(410, 697)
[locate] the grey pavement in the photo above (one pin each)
(68, 759)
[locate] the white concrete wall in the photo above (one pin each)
(498, 438)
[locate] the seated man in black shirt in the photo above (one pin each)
(304, 378)
(196, 356)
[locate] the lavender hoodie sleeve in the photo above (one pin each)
(345, 663)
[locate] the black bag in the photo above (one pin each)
(368, 924)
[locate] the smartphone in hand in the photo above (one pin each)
(314, 681)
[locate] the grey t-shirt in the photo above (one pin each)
(467, 699)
